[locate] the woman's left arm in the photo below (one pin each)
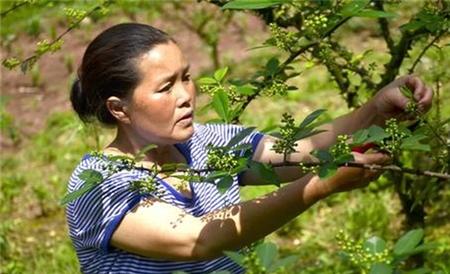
(389, 102)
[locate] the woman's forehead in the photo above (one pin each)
(162, 60)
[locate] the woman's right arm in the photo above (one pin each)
(162, 231)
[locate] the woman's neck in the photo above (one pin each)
(160, 155)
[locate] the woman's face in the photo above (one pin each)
(161, 107)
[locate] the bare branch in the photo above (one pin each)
(424, 50)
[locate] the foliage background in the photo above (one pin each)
(42, 139)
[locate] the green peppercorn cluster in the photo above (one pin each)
(286, 144)
(75, 14)
(411, 107)
(230, 90)
(276, 87)
(392, 145)
(315, 22)
(115, 165)
(219, 159)
(308, 169)
(359, 256)
(342, 147)
(146, 185)
(282, 39)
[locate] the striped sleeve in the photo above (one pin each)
(97, 214)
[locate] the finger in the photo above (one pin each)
(372, 158)
(426, 100)
(414, 83)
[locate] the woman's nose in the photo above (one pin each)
(183, 94)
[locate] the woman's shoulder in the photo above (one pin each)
(95, 166)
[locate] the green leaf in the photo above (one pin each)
(220, 74)
(265, 171)
(376, 134)
(375, 14)
(272, 66)
(91, 176)
(360, 136)
(374, 245)
(266, 253)
(285, 262)
(206, 81)
(242, 166)
(252, 4)
(322, 155)
(224, 184)
(244, 146)
(327, 170)
(406, 92)
(141, 153)
(311, 117)
(240, 136)
(422, 270)
(381, 268)
(215, 175)
(353, 7)
(306, 132)
(412, 26)
(246, 90)
(345, 158)
(174, 166)
(220, 104)
(419, 249)
(408, 242)
(235, 257)
(413, 143)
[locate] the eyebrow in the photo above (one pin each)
(174, 75)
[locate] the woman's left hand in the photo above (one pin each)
(389, 102)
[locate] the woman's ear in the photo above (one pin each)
(118, 108)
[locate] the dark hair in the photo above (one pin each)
(109, 68)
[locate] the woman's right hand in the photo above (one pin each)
(349, 178)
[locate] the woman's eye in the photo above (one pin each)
(165, 88)
(187, 77)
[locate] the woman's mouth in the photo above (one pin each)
(187, 118)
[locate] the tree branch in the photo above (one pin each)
(413, 67)
(14, 7)
(32, 59)
(393, 168)
(289, 60)
(384, 26)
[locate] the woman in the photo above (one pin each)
(135, 77)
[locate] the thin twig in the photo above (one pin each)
(57, 39)
(289, 60)
(413, 67)
(384, 25)
(393, 168)
(14, 7)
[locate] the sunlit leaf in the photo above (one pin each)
(220, 104)
(241, 135)
(252, 4)
(408, 242)
(381, 268)
(220, 74)
(266, 253)
(206, 81)
(311, 117)
(224, 184)
(374, 245)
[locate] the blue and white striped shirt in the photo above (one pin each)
(93, 217)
